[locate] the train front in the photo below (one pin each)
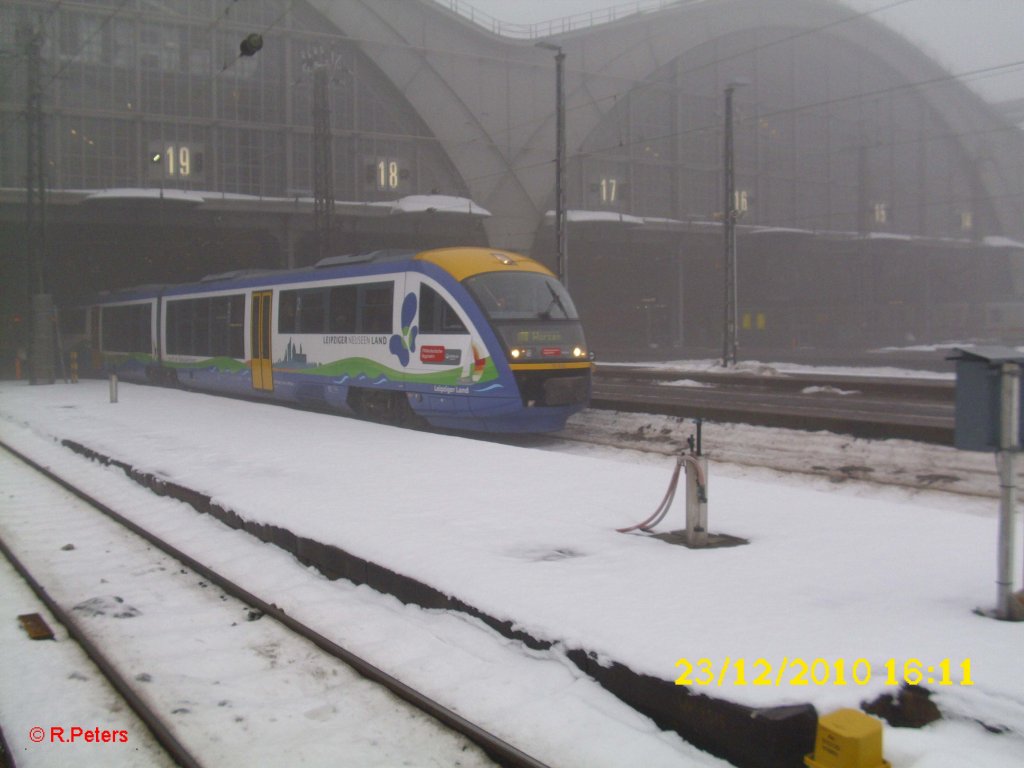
(541, 341)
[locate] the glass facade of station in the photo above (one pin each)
(812, 150)
(156, 94)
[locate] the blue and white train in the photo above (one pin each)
(461, 338)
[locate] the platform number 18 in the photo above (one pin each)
(387, 174)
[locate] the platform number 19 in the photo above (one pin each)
(176, 161)
(179, 161)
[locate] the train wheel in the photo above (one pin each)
(384, 407)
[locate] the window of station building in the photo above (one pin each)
(206, 327)
(127, 328)
(653, 193)
(80, 38)
(253, 89)
(241, 158)
(436, 314)
(96, 152)
(377, 112)
(101, 77)
(160, 47)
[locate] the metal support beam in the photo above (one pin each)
(41, 356)
(35, 185)
(561, 214)
(730, 342)
(1007, 605)
(323, 163)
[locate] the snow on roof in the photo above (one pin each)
(759, 230)
(146, 193)
(407, 204)
(437, 204)
(888, 236)
(998, 241)
(591, 216)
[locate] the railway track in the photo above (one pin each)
(167, 728)
(876, 407)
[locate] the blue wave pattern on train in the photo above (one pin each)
(462, 338)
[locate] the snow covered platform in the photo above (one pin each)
(844, 592)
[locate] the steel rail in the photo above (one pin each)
(496, 748)
(161, 732)
(923, 413)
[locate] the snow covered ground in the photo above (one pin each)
(229, 682)
(875, 579)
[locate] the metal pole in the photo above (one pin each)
(561, 214)
(34, 184)
(1007, 606)
(729, 227)
(41, 356)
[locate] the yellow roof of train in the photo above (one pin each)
(466, 262)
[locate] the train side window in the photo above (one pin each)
(109, 342)
(142, 328)
(436, 314)
(236, 327)
(188, 327)
(287, 306)
(342, 304)
(179, 327)
(376, 307)
(201, 328)
(311, 311)
(220, 326)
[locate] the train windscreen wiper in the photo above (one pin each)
(555, 299)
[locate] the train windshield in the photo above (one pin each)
(521, 296)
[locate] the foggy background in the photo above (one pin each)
(963, 35)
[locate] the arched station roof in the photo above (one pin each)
(490, 100)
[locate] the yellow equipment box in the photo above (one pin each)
(847, 738)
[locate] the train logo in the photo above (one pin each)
(402, 344)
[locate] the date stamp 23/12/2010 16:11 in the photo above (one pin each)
(820, 671)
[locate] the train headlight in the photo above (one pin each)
(516, 353)
(578, 352)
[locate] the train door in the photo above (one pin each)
(262, 363)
